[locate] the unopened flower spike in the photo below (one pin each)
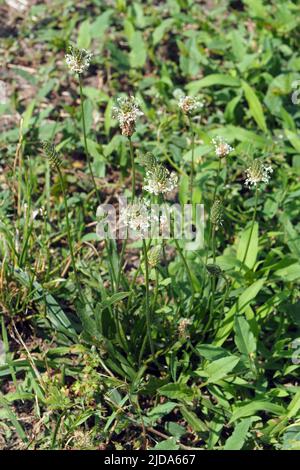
(216, 214)
(222, 148)
(257, 173)
(148, 161)
(78, 60)
(214, 270)
(137, 216)
(51, 154)
(127, 111)
(154, 256)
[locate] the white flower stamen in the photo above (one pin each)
(188, 104)
(257, 173)
(127, 112)
(159, 180)
(222, 148)
(137, 217)
(78, 60)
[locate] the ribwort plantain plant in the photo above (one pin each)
(132, 335)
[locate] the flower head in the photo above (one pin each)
(127, 112)
(78, 60)
(159, 180)
(183, 327)
(137, 217)
(257, 173)
(222, 148)
(188, 104)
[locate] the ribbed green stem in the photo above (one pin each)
(187, 268)
(133, 282)
(70, 240)
(155, 291)
(213, 293)
(193, 155)
(113, 275)
(148, 313)
(248, 242)
(213, 201)
(251, 230)
(132, 201)
(210, 224)
(85, 140)
(132, 169)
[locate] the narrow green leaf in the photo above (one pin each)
(138, 52)
(253, 246)
(84, 35)
(255, 106)
(161, 410)
(13, 419)
(251, 408)
(168, 444)
(294, 139)
(159, 32)
(212, 80)
(114, 299)
(220, 368)
(192, 419)
(177, 392)
(244, 338)
(238, 437)
(239, 307)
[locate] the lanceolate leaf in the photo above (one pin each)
(239, 307)
(237, 438)
(255, 106)
(248, 249)
(244, 338)
(220, 368)
(251, 408)
(211, 80)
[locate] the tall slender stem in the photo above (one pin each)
(248, 243)
(133, 282)
(186, 267)
(107, 242)
(132, 169)
(217, 181)
(70, 240)
(85, 140)
(213, 287)
(210, 225)
(213, 201)
(19, 161)
(148, 313)
(251, 230)
(193, 157)
(155, 291)
(132, 201)
(213, 244)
